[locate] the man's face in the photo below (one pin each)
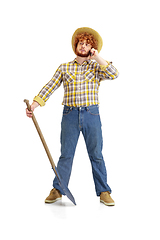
(83, 49)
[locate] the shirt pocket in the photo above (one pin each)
(69, 77)
(89, 76)
(92, 78)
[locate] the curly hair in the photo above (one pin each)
(88, 37)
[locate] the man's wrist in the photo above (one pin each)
(100, 61)
(36, 104)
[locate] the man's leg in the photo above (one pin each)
(93, 137)
(69, 138)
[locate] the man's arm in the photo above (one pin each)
(49, 88)
(97, 57)
(46, 92)
(107, 70)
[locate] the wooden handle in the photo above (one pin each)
(41, 137)
(28, 105)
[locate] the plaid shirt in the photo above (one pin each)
(81, 83)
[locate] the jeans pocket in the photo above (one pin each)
(93, 110)
(66, 110)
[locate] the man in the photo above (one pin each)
(81, 80)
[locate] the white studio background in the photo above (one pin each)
(35, 40)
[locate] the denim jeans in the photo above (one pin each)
(87, 121)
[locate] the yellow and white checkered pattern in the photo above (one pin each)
(81, 83)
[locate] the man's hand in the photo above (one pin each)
(95, 55)
(33, 106)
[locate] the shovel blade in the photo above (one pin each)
(65, 188)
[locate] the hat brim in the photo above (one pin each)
(90, 31)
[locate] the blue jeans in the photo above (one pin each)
(87, 121)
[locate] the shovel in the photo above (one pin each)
(61, 182)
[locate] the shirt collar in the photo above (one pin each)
(84, 63)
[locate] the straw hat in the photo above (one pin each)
(90, 31)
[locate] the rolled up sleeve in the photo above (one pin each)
(107, 72)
